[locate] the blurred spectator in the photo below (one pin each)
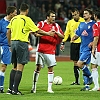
(57, 5)
(62, 1)
(87, 2)
(65, 18)
(50, 5)
(82, 4)
(43, 11)
(70, 5)
(98, 3)
(2, 7)
(69, 14)
(77, 4)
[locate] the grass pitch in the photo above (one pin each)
(65, 91)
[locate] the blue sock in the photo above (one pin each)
(86, 71)
(1, 82)
(86, 79)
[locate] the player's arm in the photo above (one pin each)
(35, 30)
(77, 34)
(60, 35)
(36, 34)
(74, 38)
(66, 35)
(95, 41)
(42, 32)
(9, 36)
(67, 32)
(96, 38)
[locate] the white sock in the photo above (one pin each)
(95, 77)
(50, 79)
(35, 79)
(2, 73)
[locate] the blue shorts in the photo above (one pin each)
(5, 55)
(85, 57)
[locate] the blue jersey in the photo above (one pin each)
(85, 32)
(3, 30)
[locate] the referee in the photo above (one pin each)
(71, 27)
(18, 33)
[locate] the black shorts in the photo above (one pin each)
(20, 52)
(74, 51)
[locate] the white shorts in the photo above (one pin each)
(49, 59)
(97, 60)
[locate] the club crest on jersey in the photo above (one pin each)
(89, 27)
(53, 27)
(84, 33)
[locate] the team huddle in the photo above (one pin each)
(14, 33)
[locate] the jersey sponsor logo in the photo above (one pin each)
(84, 33)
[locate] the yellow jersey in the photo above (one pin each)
(21, 26)
(71, 27)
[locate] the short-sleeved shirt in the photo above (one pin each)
(85, 32)
(21, 26)
(3, 30)
(47, 44)
(96, 32)
(5, 53)
(71, 28)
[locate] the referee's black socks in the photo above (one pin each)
(17, 80)
(76, 73)
(11, 80)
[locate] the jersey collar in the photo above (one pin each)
(6, 19)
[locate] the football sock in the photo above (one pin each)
(35, 79)
(86, 79)
(86, 71)
(50, 79)
(17, 80)
(95, 77)
(1, 80)
(76, 74)
(11, 80)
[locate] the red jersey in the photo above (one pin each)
(96, 32)
(47, 44)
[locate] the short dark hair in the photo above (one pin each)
(89, 10)
(74, 9)
(97, 13)
(10, 9)
(24, 7)
(49, 12)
